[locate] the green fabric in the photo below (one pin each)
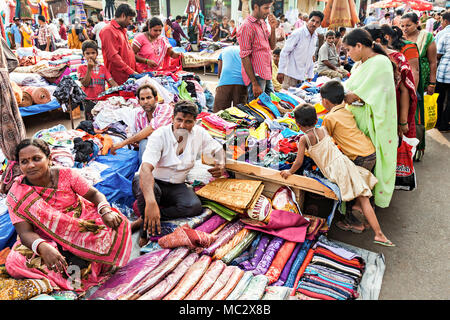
(274, 97)
(373, 82)
(424, 41)
(183, 93)
(241, 247)
(222, 211)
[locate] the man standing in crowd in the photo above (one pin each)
(62, 30)
(443, 74)
(296, 58)
(231, 88)
(17, 35)
(386, 19)
(97, 28)
(177, 31)
(370, 19)
(398, 18)
(256, 44)
(118, 55)
(44, 35)
(160, 187)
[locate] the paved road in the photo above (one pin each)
(418, 222)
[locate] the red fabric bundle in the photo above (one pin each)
(186, 236)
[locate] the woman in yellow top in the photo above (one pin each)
(76, 36)
(27, 34)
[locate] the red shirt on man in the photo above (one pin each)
(117, 53)
(63, 32)
(253, 37)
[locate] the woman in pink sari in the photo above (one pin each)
(151, 49)
(68, 232)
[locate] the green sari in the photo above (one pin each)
(373, 82)
(424, 40)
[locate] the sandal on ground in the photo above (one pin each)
(348, 227)
(387, 243)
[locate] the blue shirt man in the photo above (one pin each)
(231, 89)
(15, 30)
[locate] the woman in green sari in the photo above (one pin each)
(428, 66)
(372, 85)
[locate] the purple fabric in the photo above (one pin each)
(251, 264)
(284, 224)
(287, 267)
(268, 256)
(129, 275)
(165, 267)
(225, 235)
(211, 224)
(165, 286)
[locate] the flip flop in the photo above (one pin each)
(348, 227)
(387, 243)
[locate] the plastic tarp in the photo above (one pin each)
(39, 108)
(7, 231)
(117, 179)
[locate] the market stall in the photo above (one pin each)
(255, 238)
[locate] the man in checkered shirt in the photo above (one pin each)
(43, 36)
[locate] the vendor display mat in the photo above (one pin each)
(39, 108)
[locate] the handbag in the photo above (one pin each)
(430, 110)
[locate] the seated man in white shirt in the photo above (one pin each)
(150, 117)
(296, 58)
(160, 187)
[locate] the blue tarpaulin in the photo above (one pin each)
(117, 179)
(39, 108)
(8, 233)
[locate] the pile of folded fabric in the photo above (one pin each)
(333, 273)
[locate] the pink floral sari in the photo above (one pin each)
(155, 50)
(66, 219)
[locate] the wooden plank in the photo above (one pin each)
(268, 174)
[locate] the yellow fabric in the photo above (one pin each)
(261, 132)
(341, 126)
(267, 113)
(276, 84)
(239, 113)
(23, 289)
(73, 40)
(236, 194)
(26, 35)
(290, 122)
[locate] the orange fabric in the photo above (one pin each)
(354, 262)
(410, 51)
(279, 261)
(222, 251)
(305, 263)
(3, 254)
